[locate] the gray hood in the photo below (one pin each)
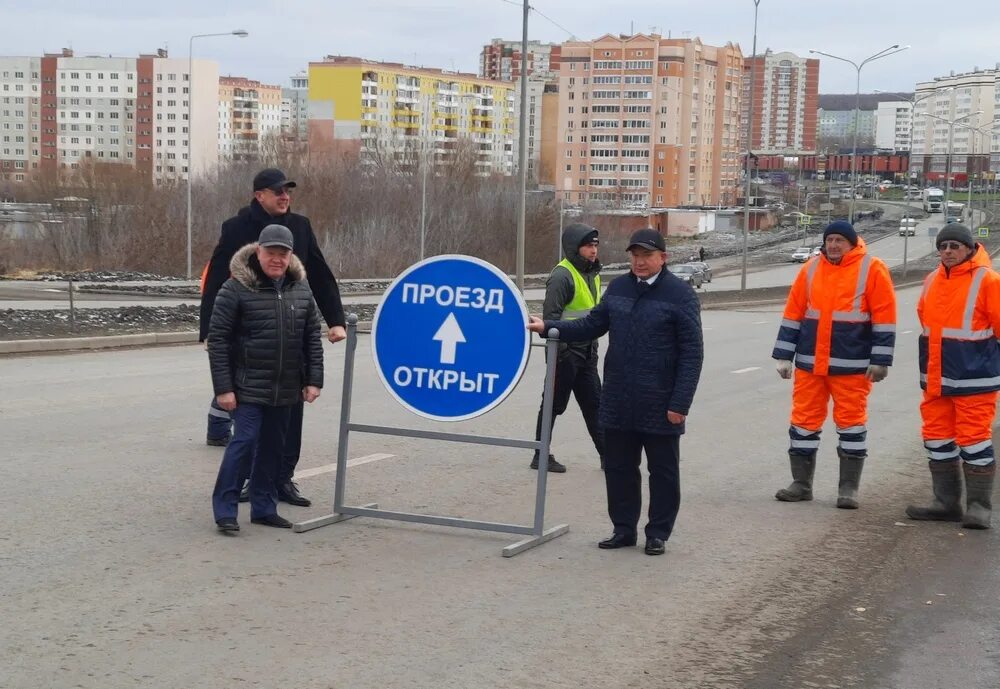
(572, 237)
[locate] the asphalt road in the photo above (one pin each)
(114, 575)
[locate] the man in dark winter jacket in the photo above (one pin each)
(572, 290)
(266, 355)
(271, 205)
(651, 372)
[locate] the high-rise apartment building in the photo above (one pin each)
(387, 113)
(894, 125)
(785, 96)
(838, 126)
(249, 113)
(975, 98)
(501, 60)
(648, 121)
(295, 109)
(59, 112)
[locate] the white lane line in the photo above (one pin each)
(327, 468)
(906, 332)
(760, 322)
(746, 370)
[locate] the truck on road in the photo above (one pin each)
(933, 200)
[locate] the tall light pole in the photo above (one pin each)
(746, 163)
(891, 50)
(190, 127)
(522, 149)
(951, 142)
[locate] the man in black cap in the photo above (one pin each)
(572, 290)
(271, 206)
(651, 372)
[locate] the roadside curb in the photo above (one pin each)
(102, 342)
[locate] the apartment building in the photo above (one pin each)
(249, 113)
(59, 112)
(648, 121)
(784, 101)
(894, 125)
(972, 101)
(501, 60)
(295, 109)
(391, 114)
(839, 125)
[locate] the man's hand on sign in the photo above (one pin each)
(536, 324)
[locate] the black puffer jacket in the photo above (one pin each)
(655, 351)
(243, 229)
(263, 344)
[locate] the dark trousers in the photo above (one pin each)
(293, 444)
(577, 377)
(220, 423)
(254, 452)
(623, 452)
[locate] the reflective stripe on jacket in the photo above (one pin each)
(959, 314)
(839, 318)
(583, 299)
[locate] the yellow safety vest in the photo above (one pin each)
(583, 301)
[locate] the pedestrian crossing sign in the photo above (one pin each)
(984, 232)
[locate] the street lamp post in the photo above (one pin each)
(891, 50)
(190, 127)
(522, 150)
(746, 163)
(951, 142)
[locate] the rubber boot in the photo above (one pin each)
(803, 469)
(850, 478)
(946, 506)
(978, 495)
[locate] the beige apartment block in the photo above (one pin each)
(249, 115)
(648, 121)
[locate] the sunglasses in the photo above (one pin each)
(950, 246)
(283, 191)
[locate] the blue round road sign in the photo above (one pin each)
(449, 337)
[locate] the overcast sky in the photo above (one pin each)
(286, 35)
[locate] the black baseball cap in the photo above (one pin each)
(276, 235)
(271, 178)
(647, 238)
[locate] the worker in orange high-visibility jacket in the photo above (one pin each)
(839, 326)
(959, 311)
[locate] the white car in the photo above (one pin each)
(802, 254)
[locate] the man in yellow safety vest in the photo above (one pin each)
(572, 290)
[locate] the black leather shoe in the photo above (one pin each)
(245, 492)
(289, 492)
(228, 524)
(217, 442)
(275, 520)
(617, 540)
(655, 546)
(554, 466)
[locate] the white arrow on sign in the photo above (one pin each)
(449, 335)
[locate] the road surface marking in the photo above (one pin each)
(747, 370)
(327, 468)
(760, 322)
(906, 332)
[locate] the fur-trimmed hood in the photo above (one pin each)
(245, 269)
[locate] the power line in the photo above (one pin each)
(543, 16)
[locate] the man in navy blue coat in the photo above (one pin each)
(651, 372)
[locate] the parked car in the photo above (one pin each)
(817, 250)
(688, 273)
(802, 254)
(706, 270)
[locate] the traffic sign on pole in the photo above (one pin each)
(449, 337)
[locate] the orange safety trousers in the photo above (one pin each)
(811, 399)
(965, 419)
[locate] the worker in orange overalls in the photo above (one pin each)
(839, 326)
(959, 310)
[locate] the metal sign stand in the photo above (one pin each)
(536, 534)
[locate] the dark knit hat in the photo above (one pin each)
(956, 232)
(844, 229)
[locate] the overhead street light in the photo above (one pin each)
(190, 127)
(891, 50)
(951, 142)
(746, 163)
